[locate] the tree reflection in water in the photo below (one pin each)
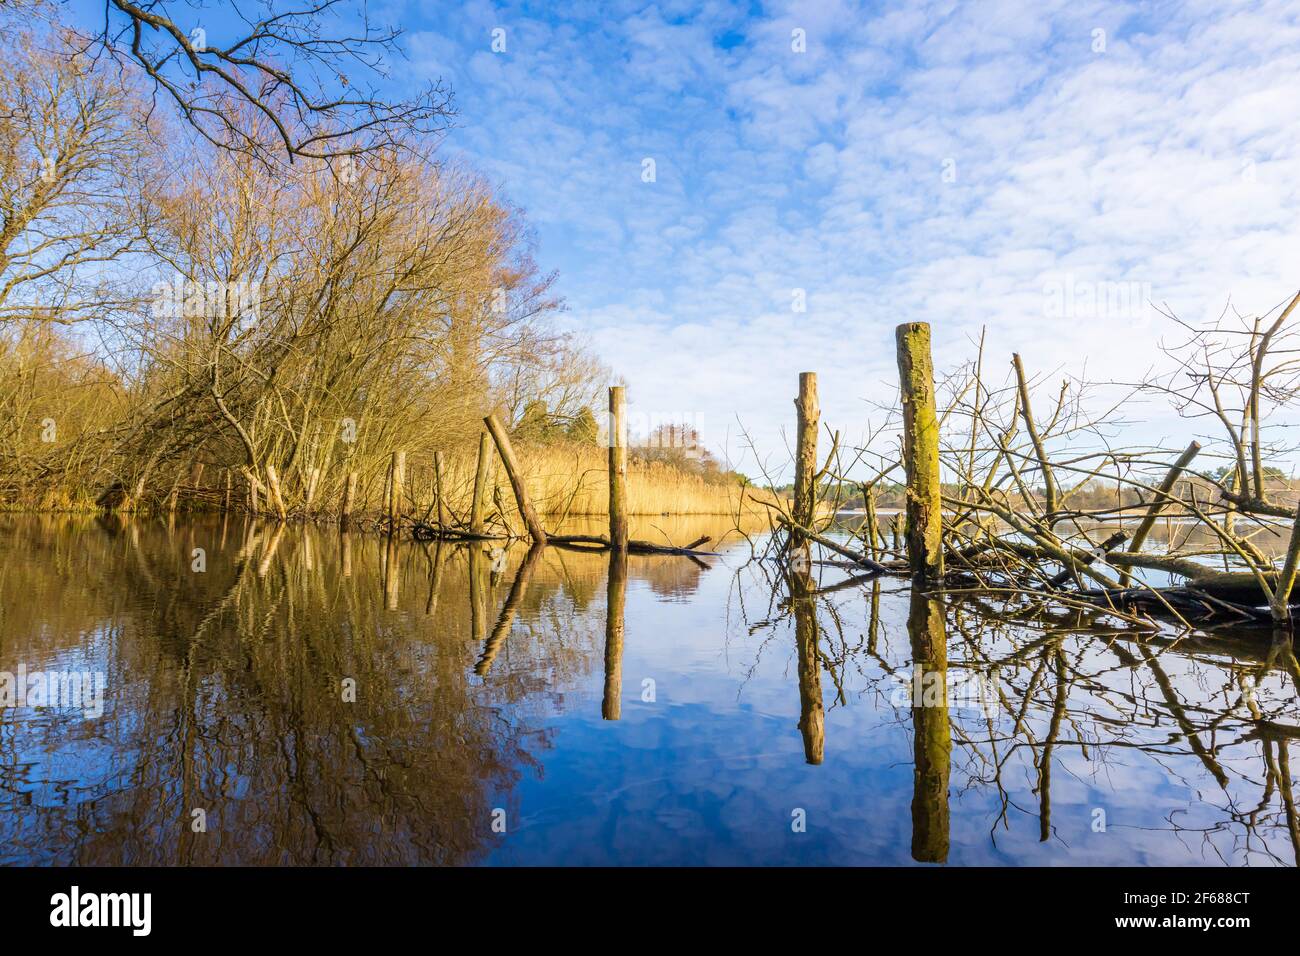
(1058, 682)
(479, 675)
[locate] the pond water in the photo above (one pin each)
(304, 697)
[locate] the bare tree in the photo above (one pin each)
(309, 73)
(72, 165)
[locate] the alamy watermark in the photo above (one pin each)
(71, 690)
(1069, 297)
(184, 298)
(955, 690)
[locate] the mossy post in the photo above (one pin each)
(479, 506)
(920, 452)
(617, 468)
(507, 453)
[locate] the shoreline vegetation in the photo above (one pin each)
(253, 305)
(564, 481)
(260, 302)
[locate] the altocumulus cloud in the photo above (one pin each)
(943, 162)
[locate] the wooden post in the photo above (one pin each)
(479, 506)
(920, 453)
(396, 480)
(507, 453)
(805, 458)
(274, 497)
(617, 468)
(349, 499)
(437, 489)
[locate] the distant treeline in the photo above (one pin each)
(1092, 495)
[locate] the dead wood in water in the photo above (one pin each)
(592, 542)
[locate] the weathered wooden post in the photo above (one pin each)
(920, 452)
(478, 507)
(507, 453)
(617, 468)
(805, 457)
(438, 489)
(396, 481)
(349, 499)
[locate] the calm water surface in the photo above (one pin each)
(671, 712)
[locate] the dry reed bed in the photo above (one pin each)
(573, 480)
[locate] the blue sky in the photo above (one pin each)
(956, 163)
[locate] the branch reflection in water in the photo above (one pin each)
(488, 679)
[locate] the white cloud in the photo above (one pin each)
(1168, 160)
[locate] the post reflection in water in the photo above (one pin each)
(486, 678)
(807, 636)
(506, 620)
(931, 731)
(615, 609)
